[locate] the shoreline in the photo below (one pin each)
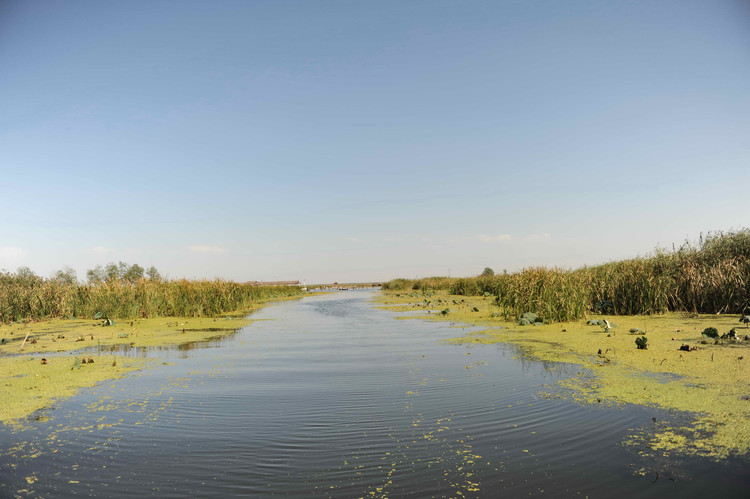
(711, 382)
(49, 365)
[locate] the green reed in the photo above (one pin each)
(33, 298)
(712, 276)
(422, 284)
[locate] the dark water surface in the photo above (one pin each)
(335, 398)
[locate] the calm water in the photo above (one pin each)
(331, 397)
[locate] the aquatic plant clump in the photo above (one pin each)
(466, 287)
(710, 332)
(530, 318)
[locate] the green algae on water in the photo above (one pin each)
(30, 385)
(36, 371)
(679, 371)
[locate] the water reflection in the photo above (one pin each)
(167, 351)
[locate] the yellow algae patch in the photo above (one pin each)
(28, 385)
(59, 335)
(711, 381)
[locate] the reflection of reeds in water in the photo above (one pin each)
(710, 277)
(31, 297)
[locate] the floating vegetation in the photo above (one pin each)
(709, 384)
(29, 385)
(529, 318)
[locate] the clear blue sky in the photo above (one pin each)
(350, 141)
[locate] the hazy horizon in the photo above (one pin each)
(352, 141)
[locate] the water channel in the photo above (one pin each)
(330, 396)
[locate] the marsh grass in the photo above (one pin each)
(24, 298)
(712, 276)
(424, 284)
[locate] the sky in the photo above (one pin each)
(359, 141)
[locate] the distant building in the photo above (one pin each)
(274, 283)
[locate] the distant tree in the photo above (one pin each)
(25, 273)
(153, 274)
(488, 272)
(96, 275)
(111, 272)
(28, 275)
(66, 276)
(133, 273)
(120, 271)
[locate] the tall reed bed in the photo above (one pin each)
(419, 284)
(32, 297)
(712, 276)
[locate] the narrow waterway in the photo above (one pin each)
(329, 396)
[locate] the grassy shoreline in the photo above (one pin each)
(712, 383)
(710, 277)
(30, 383)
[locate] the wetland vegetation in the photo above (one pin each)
(645, 339)
(709, 277)
(25, 296)
(58, 335)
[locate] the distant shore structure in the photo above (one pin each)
(344, 286)
(274, 283)
(319, 287)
